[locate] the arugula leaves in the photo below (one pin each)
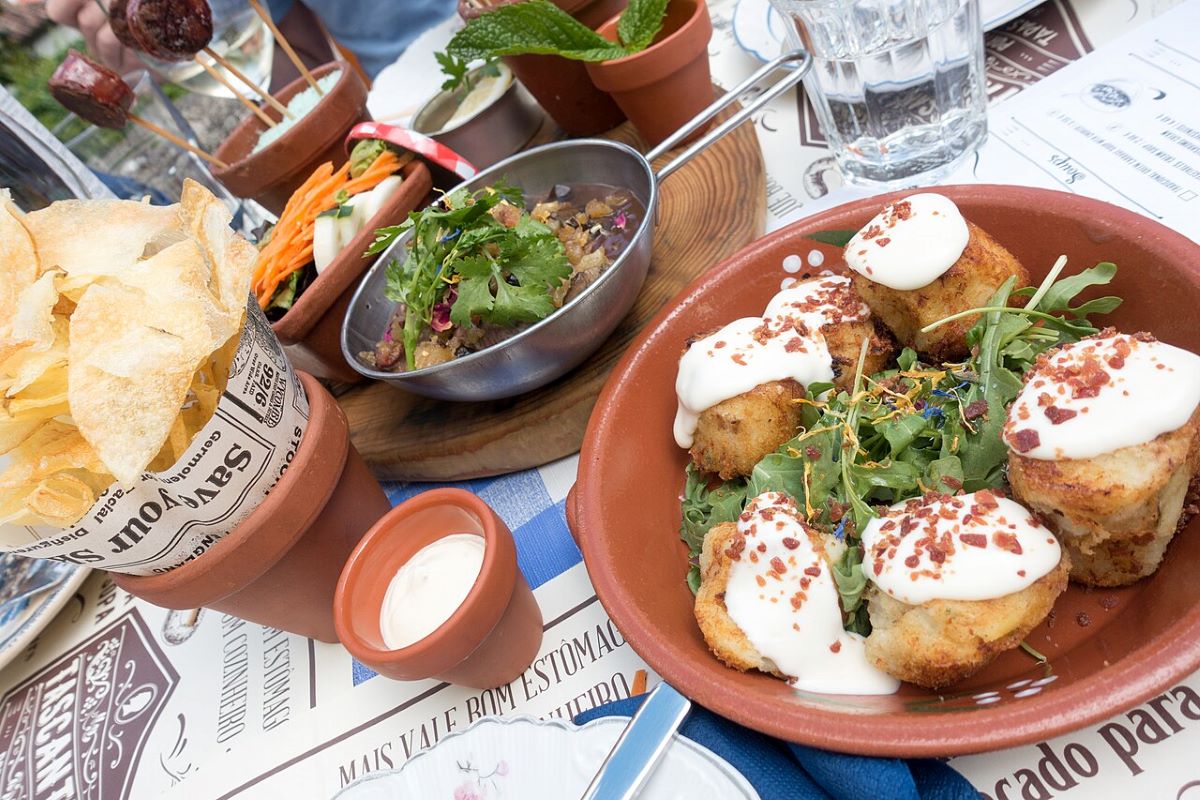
(540, 27)
(905, 431)
(500, 275)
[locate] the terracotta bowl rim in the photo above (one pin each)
(301, 126)
(344, 271)
(499, 567)
(1134, 678)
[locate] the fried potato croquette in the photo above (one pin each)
(734, 435)
(1115, 512)
(970, 283)
(941, 642)
(725, 639)
(845, 341)
(821, 313)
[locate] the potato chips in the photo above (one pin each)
(118, 323)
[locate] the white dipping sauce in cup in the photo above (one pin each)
(429, 588)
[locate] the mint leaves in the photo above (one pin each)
(540, 27)
(460, 254)
(640, 23)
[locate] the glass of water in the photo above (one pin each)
(898, 85)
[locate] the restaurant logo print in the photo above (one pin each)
(77, 728)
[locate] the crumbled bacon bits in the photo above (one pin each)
(975, 410)
(1007, 541)
(1025, 440)
(836, 647)
(1057, 415)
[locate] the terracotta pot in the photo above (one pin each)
(311, 330)
(271, 175)
(669, 82)
(280, 566)
(492, 637)
(562, 86)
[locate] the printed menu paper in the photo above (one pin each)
(1121, 125)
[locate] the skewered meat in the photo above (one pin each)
(171, 30)
(92, 91)
(119, 22)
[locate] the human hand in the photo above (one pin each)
(90, 19)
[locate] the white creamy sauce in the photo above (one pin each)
(818, 302)
(782, 595)
(429, 588)
(1100, 395)
(969, 547)
(786, 342)
(910, 243)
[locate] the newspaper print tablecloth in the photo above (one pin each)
(119, 699)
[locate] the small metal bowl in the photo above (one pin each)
(550, 348)
(494, 132)
(547, 349)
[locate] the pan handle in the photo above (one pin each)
(802, 62)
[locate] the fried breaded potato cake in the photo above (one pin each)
(941, 642)
(1115, 512)
(734, 435)
(724, 638)
(983, 266)
(845, 340)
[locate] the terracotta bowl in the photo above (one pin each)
(1108, 649)
(280, 566)
(491, 638)
(311, 331)
(271, 175)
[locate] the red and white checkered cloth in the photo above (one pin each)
(432, 151)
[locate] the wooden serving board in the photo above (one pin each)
(709, 209)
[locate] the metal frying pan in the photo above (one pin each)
(548, 349)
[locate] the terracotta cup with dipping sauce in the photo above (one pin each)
(271, 175)
(280, 566)
(488, 641)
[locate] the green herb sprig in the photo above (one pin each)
(500, 275)
(540, 27)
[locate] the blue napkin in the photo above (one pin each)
(783, 771)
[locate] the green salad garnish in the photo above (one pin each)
(906, 431)
(464, 261)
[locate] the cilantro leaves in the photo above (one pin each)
(500, 275)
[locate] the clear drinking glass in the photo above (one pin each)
(898, 85)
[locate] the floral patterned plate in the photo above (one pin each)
(523, 758)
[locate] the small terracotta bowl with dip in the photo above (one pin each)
(421, 554)
(272, 174)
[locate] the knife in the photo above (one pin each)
(640, 747)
